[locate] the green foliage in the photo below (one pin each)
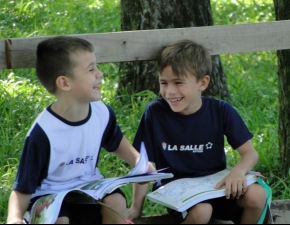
(28, 18)
(251, 77)
(242, 11)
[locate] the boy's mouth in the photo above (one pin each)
(96, 87)
(174, 100)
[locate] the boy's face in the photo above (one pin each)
(183, 94)
(87, 78)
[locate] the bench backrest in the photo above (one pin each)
(142, 45)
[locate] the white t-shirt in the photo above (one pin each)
(58, 154)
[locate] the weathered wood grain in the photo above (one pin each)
(144, 44)
(281, 211)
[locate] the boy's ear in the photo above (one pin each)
(204, 82)
(62, 83)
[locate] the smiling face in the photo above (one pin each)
(86, 79)
(182, 93)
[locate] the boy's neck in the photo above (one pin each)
(72, 112)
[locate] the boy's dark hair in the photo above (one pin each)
(54, 58)
(186, 55)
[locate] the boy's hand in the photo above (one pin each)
(236, 184)
(151, 168)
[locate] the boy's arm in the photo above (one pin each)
(127, 152)
(17, 206)
(139, 195)
(235, 182)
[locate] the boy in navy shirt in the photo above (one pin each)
(62, 147)
(185, 132)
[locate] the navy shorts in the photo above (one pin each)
(80, 213)
(223, 209)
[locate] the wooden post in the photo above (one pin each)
(8, 53)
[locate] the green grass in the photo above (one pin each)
(251, 77)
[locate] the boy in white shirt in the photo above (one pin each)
(63, 145)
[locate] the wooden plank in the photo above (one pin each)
(281, 211)
(281, 204)
(143, 45)
(281, 216)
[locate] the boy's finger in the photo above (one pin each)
(245, 187)
(228, 191)
(240, 190)
(234, 188)
(220, 184)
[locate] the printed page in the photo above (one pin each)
(98, 188)
(142, 165)
(45, 210)
(184, 193)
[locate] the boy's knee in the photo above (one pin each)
(200, 213)
(115, 210)
(255, 197)
(62, 220)
(115, 201)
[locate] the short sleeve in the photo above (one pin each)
(34, 162)
(235, 128)
(112, 135)
(144, 134)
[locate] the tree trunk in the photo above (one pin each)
(163, 14)
(282, 8)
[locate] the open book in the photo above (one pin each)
(184, 193)
(46, 209)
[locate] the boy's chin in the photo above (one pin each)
(176, 110)
(95, 99)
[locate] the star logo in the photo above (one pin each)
(209, 145)
(164, 145)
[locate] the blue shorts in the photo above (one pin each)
(223, 209)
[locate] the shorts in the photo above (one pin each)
(223, 209)
(80, 213)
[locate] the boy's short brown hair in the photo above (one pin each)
(54, 58)
(186, 55)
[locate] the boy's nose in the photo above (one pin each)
(171, 89)
(99, 74)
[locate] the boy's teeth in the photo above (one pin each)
(175, 100)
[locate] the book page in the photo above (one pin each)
(45, 209)
(142, 165)
(186, 192)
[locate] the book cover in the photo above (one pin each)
(46, 209)
(184, 193)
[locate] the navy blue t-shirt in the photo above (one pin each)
(190, 145)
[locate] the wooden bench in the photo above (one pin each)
(17, 53)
